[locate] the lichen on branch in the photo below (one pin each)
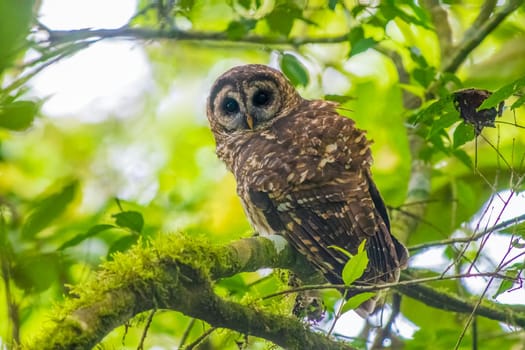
(175, 272)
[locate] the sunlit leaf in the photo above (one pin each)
(122, 244)
(391, 10)
(463, 134)
(424, 76)
(518, 229)
(132, 220)
(338, 98)
(282, 18)
(14, 27)
(463, 157)
(18, 115)
(356, 300)
(507, 283)
(359, 43)
(239, 29)
(518, 103)
(344, 251)
(35, 272)
(356, 266)
(503, 93)
(417, 57)
(48, 209)
(82, 237)
(294, 70)
(442, 122)
(436, 108)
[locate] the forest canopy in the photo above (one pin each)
(120, 227)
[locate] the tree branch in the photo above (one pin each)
(511, 314)
(62, 36)
(441, 25)
(175, 273)
(474, 237)
(420, 179)
(475, 37)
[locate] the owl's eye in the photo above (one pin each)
(261, 98)
(230, 106)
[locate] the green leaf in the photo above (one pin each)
(517, 244)
(356, 266)
(356, 34)
(424, 76)
(503, 93)
(282, 18)
(463, 134)
(359, 42)
(417, 57)
(344, 251)
(121, 245)
(294, 70)
(506, 284)
(442, 122)
(462, 156)
(239, 29)
(361, 46)
(518, 229)
(338, 98)
(82, 237)
(48, 209)
(356, 300)
(18, 115)
(35, 272)
(518, 103)
(390, 10)
(428, 113)
(332, 4)
(132, 220)
(15, 21)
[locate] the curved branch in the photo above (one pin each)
(175, 273)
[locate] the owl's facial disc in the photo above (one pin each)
(262, 100)
(229, 109)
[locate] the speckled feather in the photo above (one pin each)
(305, 174)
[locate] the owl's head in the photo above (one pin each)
(249, 98)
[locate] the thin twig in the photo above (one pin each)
(501, 225)
(145, 331)
(197, 341)
(186, 333)
(375, 288)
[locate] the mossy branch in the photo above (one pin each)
(444, 300)
(176, 273)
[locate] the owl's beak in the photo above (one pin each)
(249, 121)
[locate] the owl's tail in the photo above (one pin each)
(387, 257)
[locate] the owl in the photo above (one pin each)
(303, 172)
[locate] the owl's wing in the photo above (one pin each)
(340, 213)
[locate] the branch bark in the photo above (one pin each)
(62, 36)
(176, 273)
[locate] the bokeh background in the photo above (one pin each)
(121, 127)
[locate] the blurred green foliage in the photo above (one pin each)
(73, 192)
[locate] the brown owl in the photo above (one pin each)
(302, 171)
